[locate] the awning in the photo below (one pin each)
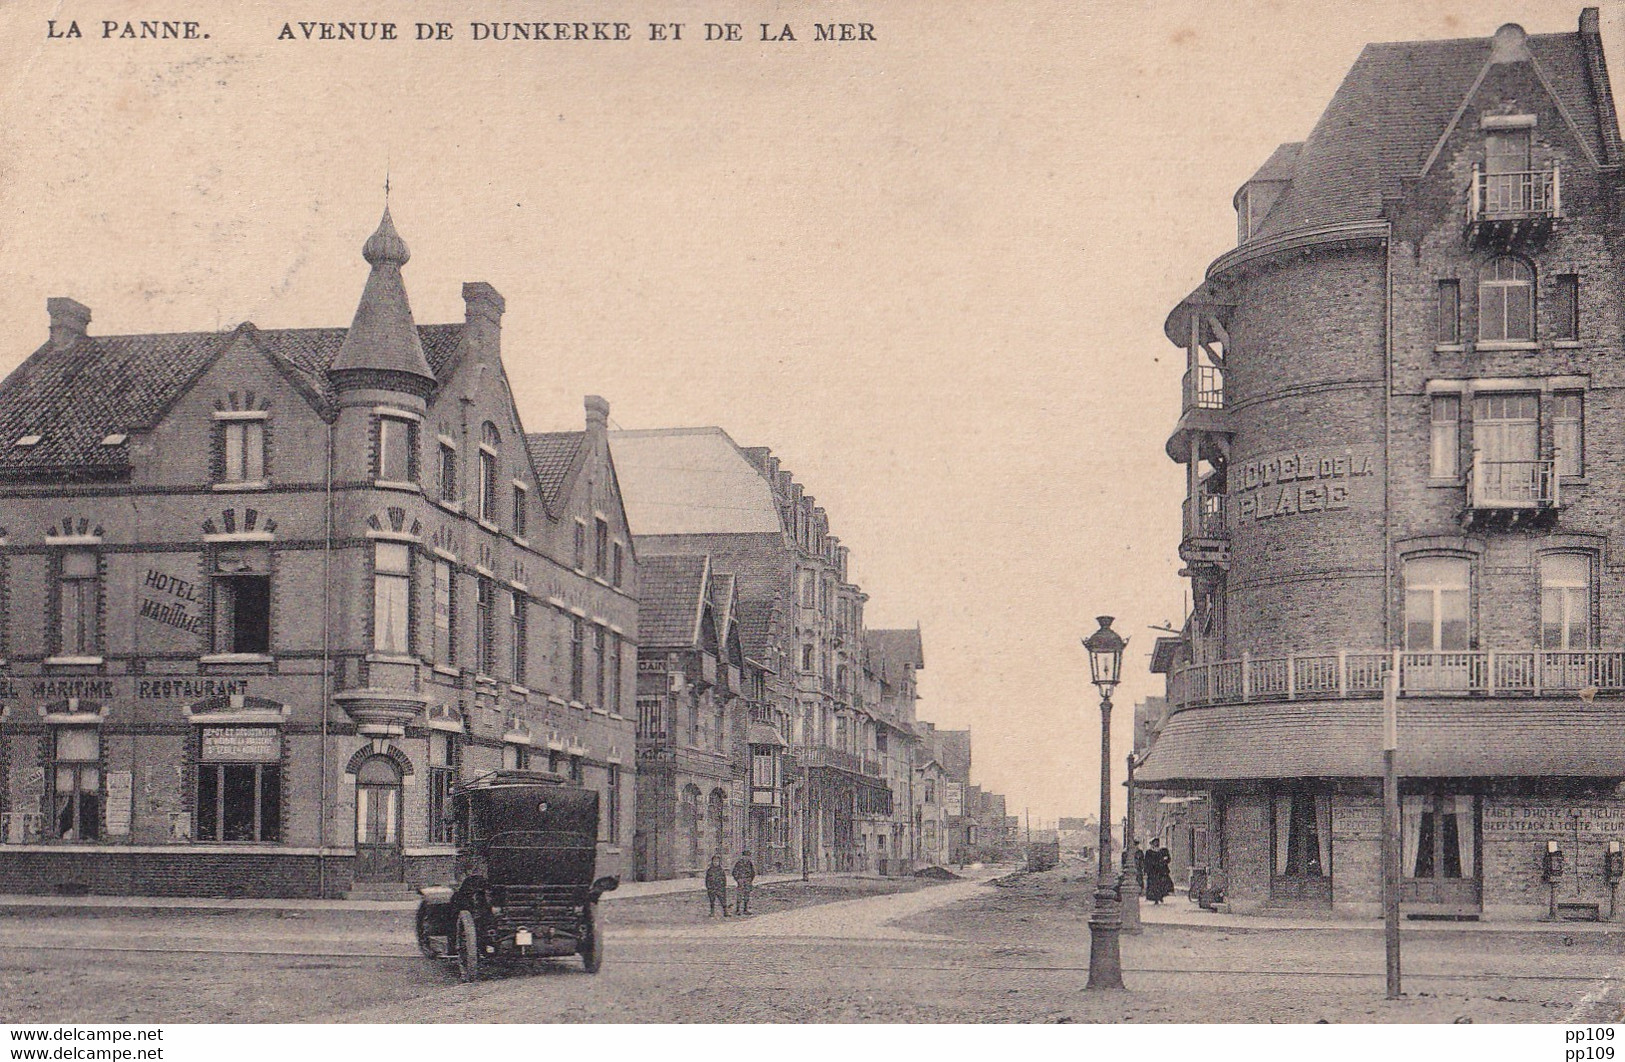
(1438, 738)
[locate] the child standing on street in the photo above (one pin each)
(744, 877)
(716, 886)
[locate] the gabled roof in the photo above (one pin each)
(1391, 110)
(75, 396)
(691, 481)
(553, 454)
(896, 649)
(756, 628)
(673, 595)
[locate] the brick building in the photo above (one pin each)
(694, 492)
(267, 594)
(1402, 444)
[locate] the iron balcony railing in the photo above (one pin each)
(1520, 194)
(1347, 673)
(1512, 485)
(1204, 388)
(1204, 517)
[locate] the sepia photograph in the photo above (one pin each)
(709, 513)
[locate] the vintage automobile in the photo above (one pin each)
(525, 888)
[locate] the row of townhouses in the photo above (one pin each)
(266, 597)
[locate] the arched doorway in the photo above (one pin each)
(378, 821)
(688, 839)
(716, 815)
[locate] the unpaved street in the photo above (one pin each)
(962, 951)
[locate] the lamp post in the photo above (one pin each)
(1105, 648)
(1130, 889)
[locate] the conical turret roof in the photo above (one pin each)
(383, 335)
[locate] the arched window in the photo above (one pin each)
(1506, 301)
(490, 441)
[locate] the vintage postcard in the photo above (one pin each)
(811, 512)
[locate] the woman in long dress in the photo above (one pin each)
(1158, 882)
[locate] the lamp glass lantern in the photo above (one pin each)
(1105, 648)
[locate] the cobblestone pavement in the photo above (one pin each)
(958, 952)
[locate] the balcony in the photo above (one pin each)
(1202, 412)
(1345, 674)
(1206, 540)
(839, 759)
(1508, 208)
(1511, 491)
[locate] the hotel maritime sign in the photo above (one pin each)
(1302, 482)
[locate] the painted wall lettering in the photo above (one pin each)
(1292, 484)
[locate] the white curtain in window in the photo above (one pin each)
(1463, 809)
(1323, 827)
(1410, 833)
(1283, 830)
(361, 815)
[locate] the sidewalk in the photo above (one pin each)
(1179, 911)
(629, 890)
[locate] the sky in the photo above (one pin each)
(929, 270)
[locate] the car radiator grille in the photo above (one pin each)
(532, 907)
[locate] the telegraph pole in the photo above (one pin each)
(1390, 824)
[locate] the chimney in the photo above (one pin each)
(69, 320)
(483, 307)
(597, 417)
(1597, 73)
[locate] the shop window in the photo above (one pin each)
(1303, 835)
(397, 450)
(1445, 459)
(1438, 832)
(578, 658)
(1448, 328)
(1566, 307)
(239, 784)
(1565, 601)
(445, 612)
(242, 601)
(1506, 301)
(448, 473)
(445, 761)
(1436, 603)
(1568, 432)
(392, 598)
(76, 780)
(516, 634)
(485, 654)
(242, 450)
(78, 599)
(521, 514)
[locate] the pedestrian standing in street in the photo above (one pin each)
(1158, 882)
(744, 876)
(716, 886)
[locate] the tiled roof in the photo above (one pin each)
(690, 481)
(1390, 111)
(896, 648)
(73, 397)
(1437, 738)
(756, 628)
(722, 600)
(1280, 165)
(553, 454)
(669, 609)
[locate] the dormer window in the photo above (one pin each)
(240, 447)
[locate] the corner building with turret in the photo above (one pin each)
(266, 596)
(1401, 432)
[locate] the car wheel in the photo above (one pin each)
(592, 949)
(468, 947)
(425, 941)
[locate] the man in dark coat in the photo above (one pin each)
(1158, 882)
(744, 876)
(716, 886)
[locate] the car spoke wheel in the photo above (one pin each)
(468, 947)
(592, 948)
(425, 941)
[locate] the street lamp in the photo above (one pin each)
(1105, 648)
